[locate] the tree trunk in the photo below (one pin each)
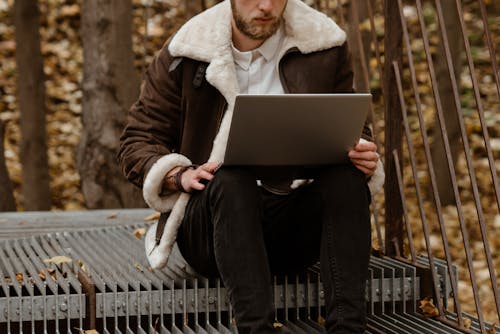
(448, 103)
(31, 95)
(7, 202)
(110, 86)
(192, 7)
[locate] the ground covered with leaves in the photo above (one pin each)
(63, 57)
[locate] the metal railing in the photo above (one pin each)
(412, 174)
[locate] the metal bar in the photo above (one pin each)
(364, 69)
(376, 45)
(491, 45)
(417, 186)
(467, 149)
(451, 167)
(430, 166)
(405, 209)
(392, 116)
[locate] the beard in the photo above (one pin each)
(254, 30)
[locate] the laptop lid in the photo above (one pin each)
(295, 129)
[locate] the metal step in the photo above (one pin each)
(108, 285)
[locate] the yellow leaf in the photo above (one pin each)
(428, 308)
(277, 325)
(58, 260)
(467, 322)
(139, 233)
(19, 277)
(151, 217)
(112, 216)
(91, 331)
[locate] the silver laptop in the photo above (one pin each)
(295, 129)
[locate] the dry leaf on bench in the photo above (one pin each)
(428, 308)
(277, 325)
(112, 216)
(492, 329)
(151, 217)
(467, 323)
(139, 232)
(58, 260)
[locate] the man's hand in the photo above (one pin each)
(364, 156)
(192, 178)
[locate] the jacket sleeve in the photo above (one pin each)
(151, 135)
(344, 79)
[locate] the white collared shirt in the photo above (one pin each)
(257, 70)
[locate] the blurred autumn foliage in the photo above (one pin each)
(61, 47)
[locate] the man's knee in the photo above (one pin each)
(344, 180)
(232, 183)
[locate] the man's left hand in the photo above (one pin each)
(364, 156)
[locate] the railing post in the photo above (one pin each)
(393, 129)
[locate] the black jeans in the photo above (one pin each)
(243, 233)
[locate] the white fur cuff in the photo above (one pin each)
(154, 180)
(377, 180)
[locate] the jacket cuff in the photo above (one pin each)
(377, 179)
(154, 181)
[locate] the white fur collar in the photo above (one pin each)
(207, 34)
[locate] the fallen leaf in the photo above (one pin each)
(428, 308)
(467, 323)
(19, 277)
(81, 265)
(70, 10)
(492, 329)
(138, 267)
(22, 223)
(139, 232)
(41, 274)
(277, 325)
(151, 217)
(112, 216)
(58, 260)
(321, 320)
(91, 331)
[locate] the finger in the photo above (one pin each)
(202, 174)
(363, 145)
(371, 165)
(210, 166)
(367, 155)
(196, 185)
(364, 170)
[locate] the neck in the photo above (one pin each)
(242, 42)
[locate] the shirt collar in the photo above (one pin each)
(268, 50)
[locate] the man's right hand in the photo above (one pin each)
(192, 178)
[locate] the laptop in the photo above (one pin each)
(295, 130)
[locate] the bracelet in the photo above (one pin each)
(177, 177)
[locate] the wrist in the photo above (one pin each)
(173, 179)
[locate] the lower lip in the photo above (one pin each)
(264, 20)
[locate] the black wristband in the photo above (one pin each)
(178, 176)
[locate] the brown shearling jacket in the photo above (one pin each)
(184, 111)
(179, 111)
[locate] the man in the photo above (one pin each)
(223, 223)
